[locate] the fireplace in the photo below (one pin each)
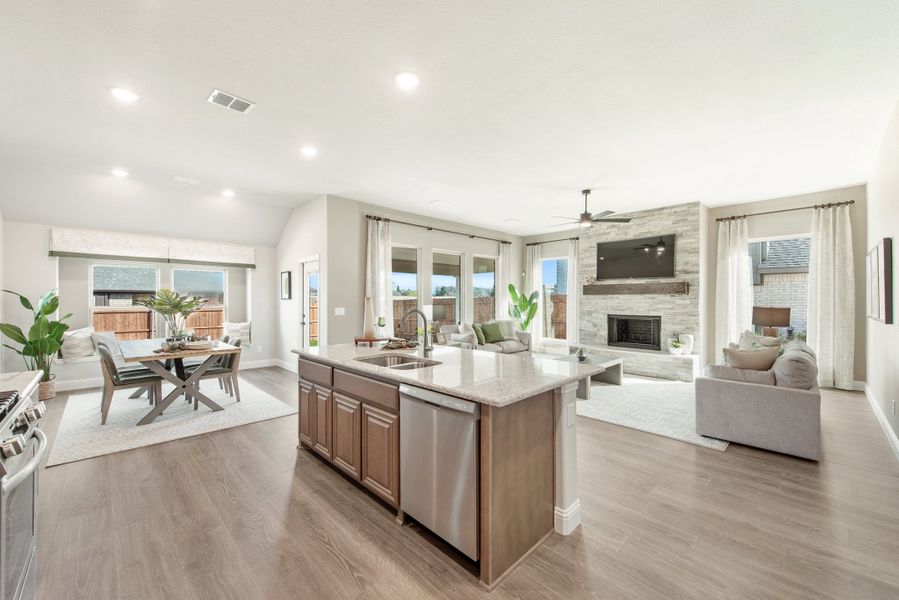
(635, 331)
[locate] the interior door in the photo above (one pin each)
(309, 304)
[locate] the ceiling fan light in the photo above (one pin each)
(586, 224)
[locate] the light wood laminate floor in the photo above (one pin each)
(243, 514)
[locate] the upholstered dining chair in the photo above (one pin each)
(129, 370)
(225, 371)
(114, 379)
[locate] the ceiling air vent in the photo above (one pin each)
(230, 101)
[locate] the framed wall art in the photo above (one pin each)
(285, 285)
(879, 281)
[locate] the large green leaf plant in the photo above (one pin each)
(174, 308)
(522, 308)
(44, 338)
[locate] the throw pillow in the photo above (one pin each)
(493, 333)
(237, 331)
(77, 343)
(759, 359)
(749, 340)
(110, 339)
(479, 334)
(507, 326)
(795, 368)
(466, 328)
(744, 375)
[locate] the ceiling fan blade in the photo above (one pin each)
(612, 220)
(604, 213)
(569, 218)
(565, 224)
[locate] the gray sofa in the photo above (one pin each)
(516, 341)
(777, 410)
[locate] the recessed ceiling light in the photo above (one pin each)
(309, 151)
(406, 81)
(124, 95)
(228, 193)
(120, 173)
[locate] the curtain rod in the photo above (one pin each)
(783, 210)
(551, 241)
(429, 228)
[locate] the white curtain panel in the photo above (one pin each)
(378, 272)
(733, 289)
(503, 278)
(571, 312)
(831, 297)
(534, 282)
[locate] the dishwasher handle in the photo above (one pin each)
(438, 400)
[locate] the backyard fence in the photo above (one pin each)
(137, 323)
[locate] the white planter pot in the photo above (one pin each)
(675, 350)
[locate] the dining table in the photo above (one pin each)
(150, 354)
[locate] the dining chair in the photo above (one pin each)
(225, 371)
(129, 370)
(114, 379)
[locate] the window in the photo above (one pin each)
(445, 284)
(114, 289)
(209, 321)
(483, 288)
(780, 279)
(554, 298)
(405, 282)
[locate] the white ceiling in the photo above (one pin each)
(521, 104)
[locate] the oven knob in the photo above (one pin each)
(36, 411)
(21, 423)
(13, 446)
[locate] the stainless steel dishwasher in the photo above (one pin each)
(439, 465)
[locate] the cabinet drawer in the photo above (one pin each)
(368, 390)
(315, 372)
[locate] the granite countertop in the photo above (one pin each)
(23, 382)
(478, 375)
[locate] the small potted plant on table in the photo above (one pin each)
(675, 346)
(175, 308)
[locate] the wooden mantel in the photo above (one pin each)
(649, 287)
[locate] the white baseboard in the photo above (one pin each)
(859, 386)
(566, 520)
(260, 364)
(286, 365)
(884, 422)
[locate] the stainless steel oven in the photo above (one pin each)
(22, 448)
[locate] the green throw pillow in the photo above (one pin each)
(493, 333)
(479, 333)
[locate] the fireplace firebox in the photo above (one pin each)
(635, 331)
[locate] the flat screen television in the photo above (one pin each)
(634, 259)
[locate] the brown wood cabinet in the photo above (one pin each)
(307, 405)
(347, 443)
(381, 453)
(354, 423)
(321, 419)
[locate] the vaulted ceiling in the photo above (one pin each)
(521, 104)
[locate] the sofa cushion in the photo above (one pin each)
(801, 346)
(796, 368)
(480, 334)
(510, 346)
(464, 338)
(492, 332)
(491, 347)
(744, 375)
(507, 326)
(759, 359)
(749, 340)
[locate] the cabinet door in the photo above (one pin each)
(321, 422)
(347, 442)
(307, 413)
(381, 453)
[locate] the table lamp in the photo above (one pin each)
(769, 318)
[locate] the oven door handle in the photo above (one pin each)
(11, 482)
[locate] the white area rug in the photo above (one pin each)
(665, 408)
(81, 436)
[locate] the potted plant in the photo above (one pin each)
(523, 308)
(175, 308)
(43, 340)
(675, 346)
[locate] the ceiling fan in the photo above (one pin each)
(586, 219)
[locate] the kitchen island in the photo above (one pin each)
(523, 484)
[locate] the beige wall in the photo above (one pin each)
(883, 221)
(786, 224)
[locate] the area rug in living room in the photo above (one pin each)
(81, 436)
(657, 406)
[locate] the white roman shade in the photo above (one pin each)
(91, 243)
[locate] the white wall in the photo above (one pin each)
(791, 224)
(29, 270)
(883, 221)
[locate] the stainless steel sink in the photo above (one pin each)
(398, 361)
